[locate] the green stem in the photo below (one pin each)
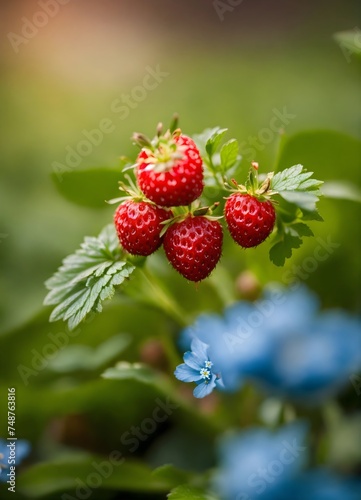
(214, 172)
(163, 298)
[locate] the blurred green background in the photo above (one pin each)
(233, 72)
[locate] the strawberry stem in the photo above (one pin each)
(163, 299)
(174, 123)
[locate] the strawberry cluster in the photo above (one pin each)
(159, 210)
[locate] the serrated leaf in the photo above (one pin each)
(294, 178)
(282, 250)
(215, 140)
(87, 278)
(185, 492)
(303, 199)
(295, 185)
(229, 154)
(314, 215)
(302, 229)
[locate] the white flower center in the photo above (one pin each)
(205, 373)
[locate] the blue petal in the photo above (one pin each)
(186, 374)
(23, 448)
(200, 349)
(204, 389)
(194, 361)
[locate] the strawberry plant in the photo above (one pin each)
(169, 198)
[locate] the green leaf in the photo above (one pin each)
(168, 472)
(87, 278)
(136, 371)
(294, 178)
(303, 199)
(322, 151)
(295, 185)
(282, 250)
(229, 154)
(64, 475)
(202, 139)
(90, 187)
(341, 190)
(313, 215)
(185, 492)
(83, 357)
(301, 229)
(215, 140)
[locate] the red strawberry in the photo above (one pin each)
(194, 246)
(250, 221)
(171, 174)
(138, 225)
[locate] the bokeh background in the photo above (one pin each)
(232, 69)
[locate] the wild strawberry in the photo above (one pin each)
(170, 170)
(250, 221)
(138, 225)
(194, 246)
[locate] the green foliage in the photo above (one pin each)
(229, 154)
(86, 358)
(113, 406)
(66, 475)
(295, 186)
(219, 159)
(328, 153)
(87, 278)
(341, 191)
(185, 492)
(299, 195)
(90, 187)
(136, 371)
(213, 139)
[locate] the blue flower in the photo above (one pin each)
(259, 464)
(282, 344)
(197, 367)
(22, 450)
(322, 484)
(315, 363)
